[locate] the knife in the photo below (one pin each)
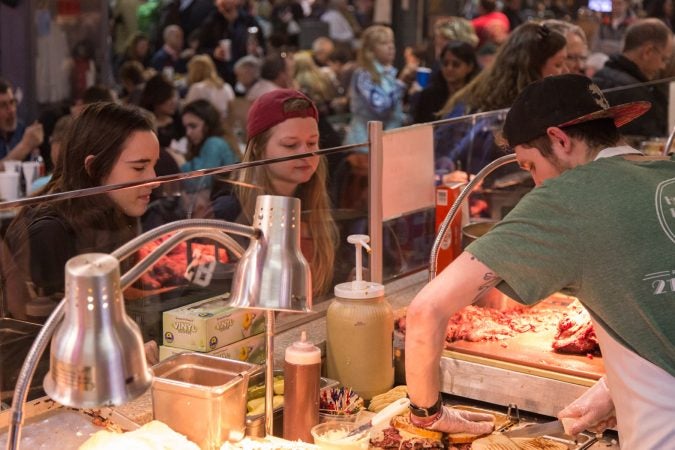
(393, 409)
(539, 429)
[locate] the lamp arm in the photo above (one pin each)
(165, 247)
(669, 143)
(135, 244)
(28, 370)
(443, 229)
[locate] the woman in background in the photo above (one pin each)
(531, 52)
(458, 67)
(207, 144)
(106, 144)
(204, 83)
(284, 123)
(375, 93)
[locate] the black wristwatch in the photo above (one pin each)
(427, 412)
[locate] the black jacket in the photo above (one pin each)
(621, 71)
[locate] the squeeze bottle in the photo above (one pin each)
(302, 378)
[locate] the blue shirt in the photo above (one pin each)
(7, 144)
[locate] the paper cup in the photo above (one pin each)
(31, 171)
(423, 76)
(12, 165)
(9, 185)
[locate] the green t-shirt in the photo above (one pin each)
(605, 232)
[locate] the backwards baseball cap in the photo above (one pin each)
(270, 109)
(562, 101)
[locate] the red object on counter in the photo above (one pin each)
(451, 247)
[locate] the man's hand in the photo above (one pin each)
(34, 135)
(593, 411)
(457, 421)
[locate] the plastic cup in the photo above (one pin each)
(9, 185)
(423, 76)
(226, 45)
(31, 171)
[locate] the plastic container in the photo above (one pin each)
(330, 436)
(302, 378)
(360, 327)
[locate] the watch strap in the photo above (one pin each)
(420, 411)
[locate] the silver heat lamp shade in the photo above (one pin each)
(273, 274)
(97, 355)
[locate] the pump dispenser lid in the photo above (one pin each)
(359, 289)
(303, 352)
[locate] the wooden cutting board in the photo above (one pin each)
(533, 349)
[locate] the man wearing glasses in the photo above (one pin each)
(16, 139)
(647, 49)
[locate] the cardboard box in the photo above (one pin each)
(451, 247)
(249, 350)
(209, 325)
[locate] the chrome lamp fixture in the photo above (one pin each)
(97, 356)
(443, 229)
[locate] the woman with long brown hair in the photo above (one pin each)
(284, 123)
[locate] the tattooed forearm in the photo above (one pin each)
(490, 280)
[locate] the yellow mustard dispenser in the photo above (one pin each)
(359, 335)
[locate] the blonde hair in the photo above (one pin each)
(201, 68)
(311, 80)
(373, 35)
(316, 210)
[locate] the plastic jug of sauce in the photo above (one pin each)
(360, 327)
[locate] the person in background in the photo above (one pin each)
(317, 85)
(247, 72)
(138, 50)
(204, 82)
(276, 72)
(342, 26)
(93, 94)
(284, 123)
(322, 47)
(458, 67)
(490, 25)
(647, 48)
(207, 147)
(448, 30)
(55, 146)
(375, 92)
(161, 99)
(132, 79)
(531, 52)
(662, 10)
(564, 132)
(230, 22)
(609, 36)
(513, 10)
(170, 59)
(106, 144)
(17, 140)
(577, 46)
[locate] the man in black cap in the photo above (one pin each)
(600, 225)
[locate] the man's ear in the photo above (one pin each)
(88, 161)
(559, 139)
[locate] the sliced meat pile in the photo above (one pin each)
(575, 332)
(170, 269)
(392, 439)
(476, 324)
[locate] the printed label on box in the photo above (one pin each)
(249, 350)
(209, 325)
(451, 245)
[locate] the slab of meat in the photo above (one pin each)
(576, 333)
